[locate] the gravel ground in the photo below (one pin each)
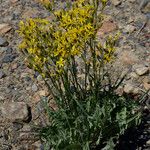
(20, 84)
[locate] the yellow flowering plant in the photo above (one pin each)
(67, 53)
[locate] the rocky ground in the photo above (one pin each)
(22, 89)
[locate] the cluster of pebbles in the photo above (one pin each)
(22, 89)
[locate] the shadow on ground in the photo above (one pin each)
(136, 138)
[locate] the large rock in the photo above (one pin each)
(15, 111)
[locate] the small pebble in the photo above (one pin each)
(34, 88)
(3, 42)
(148, 142)
(39, 78)
(116, 2)
(2, 74)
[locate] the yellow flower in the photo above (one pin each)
(60, 62)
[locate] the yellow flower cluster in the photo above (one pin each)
(34, 33)
(109, 47)
(50, 45)
(74, 29)
(59, 41)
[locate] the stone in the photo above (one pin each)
(8, 58)
(43, 93)
(4, 28)
(34, 88)
(36, 98)
(116, 2)
(39, 78)
(129, 28)
(15, 111)
(2, 74)
(6, 49)
(133, 75)
(146, 79)
(148, 143)
(119, 91)
(3, 42)
(130, 89)
(127, 57)
(14, 1)
(146, 83)
(14, 66)
(142, 70)
(16, 14)
(107, 27)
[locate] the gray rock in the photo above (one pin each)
(141, 70)
(16, 14)
(15, 111)
(8, 58)
(6, 49)
(129, 28)
(34, 88)
(3, 49)
(116, 2)
(3, 42)
(2, 74)
(39, 78)
(148, 142)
